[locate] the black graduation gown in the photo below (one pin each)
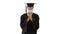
(27, 25)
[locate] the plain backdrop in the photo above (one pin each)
(48, 11)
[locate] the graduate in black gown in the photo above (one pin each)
(29, 21)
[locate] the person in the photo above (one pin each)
(29, 21)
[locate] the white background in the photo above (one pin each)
(48, 11)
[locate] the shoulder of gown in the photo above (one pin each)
(36, 15)
(23, 15)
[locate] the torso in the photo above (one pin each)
(29, 26)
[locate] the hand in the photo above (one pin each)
(30, 17)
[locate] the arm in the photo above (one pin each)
(36, 22)
(22, 22)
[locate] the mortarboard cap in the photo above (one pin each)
(30, 4)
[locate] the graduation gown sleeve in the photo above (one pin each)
(36, 21)
(22, 21)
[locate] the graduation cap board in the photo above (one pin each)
(30, 4)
